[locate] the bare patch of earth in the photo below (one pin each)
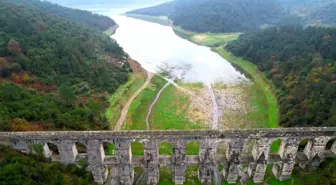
(200, 37)
(234, 106)
(200, 107)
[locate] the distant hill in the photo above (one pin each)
(219, 15)
(90, 2)
(325, 14)
(55, 73)
(85, 18)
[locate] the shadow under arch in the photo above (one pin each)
(139, 175)
(81, 148)
(53, 149)
(330, 144)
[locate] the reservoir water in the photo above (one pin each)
(158, 49)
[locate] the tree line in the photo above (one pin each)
(302, 65)
(82, 17)
(219, 15)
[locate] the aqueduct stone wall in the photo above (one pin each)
(123, 163)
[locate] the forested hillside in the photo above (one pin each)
(19, 169)
(302, 65)
(219, 15)
(85, 18)
(64, 69)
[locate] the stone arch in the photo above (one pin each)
(275, 145)
(81, 147)
(193, 147)
(139, 174)
(50, 150)
(109, 149)
(303, 144)
(137, 148)
(166, 175)
(247, 150)
(191, 175)
(331, 145)
(165, 148)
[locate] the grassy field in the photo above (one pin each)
(118, 99)
(206, 39)
(136, 117)
(111, 30)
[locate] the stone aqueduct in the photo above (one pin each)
(321, 144)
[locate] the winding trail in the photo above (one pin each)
(153, 103)
(129, 102)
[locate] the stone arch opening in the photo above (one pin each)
(166, 175)
(303, 144)
(165, 148)
(137, 148)
(247, 150)
(221, 148)
(53, 149)
(330, 144)
(193, 148)
(139, 175)
(109, 149)
(191, 175)
(81, 148)
(274, 148)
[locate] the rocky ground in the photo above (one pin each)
(234, 106)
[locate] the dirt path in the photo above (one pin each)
(151, 106)
(124, 111)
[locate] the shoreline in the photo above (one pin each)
(217, 41)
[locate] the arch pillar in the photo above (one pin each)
(287, 151)
(152, 162)
(260, 153)
(314, 151)
(207, 164)
(124, 159)
(233, 155)
(67, 151)
(179, 163)
(95, 152)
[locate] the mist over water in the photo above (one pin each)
(158, 49)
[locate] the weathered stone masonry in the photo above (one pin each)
(123, 163)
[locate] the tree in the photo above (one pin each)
(13, 47)
(66, 93)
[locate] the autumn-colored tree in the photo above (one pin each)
(13, 46)
(25, 78)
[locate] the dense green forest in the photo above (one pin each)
(85, 18)
(302, 65)
(72, 67)
(19, 169)
(219, 15)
